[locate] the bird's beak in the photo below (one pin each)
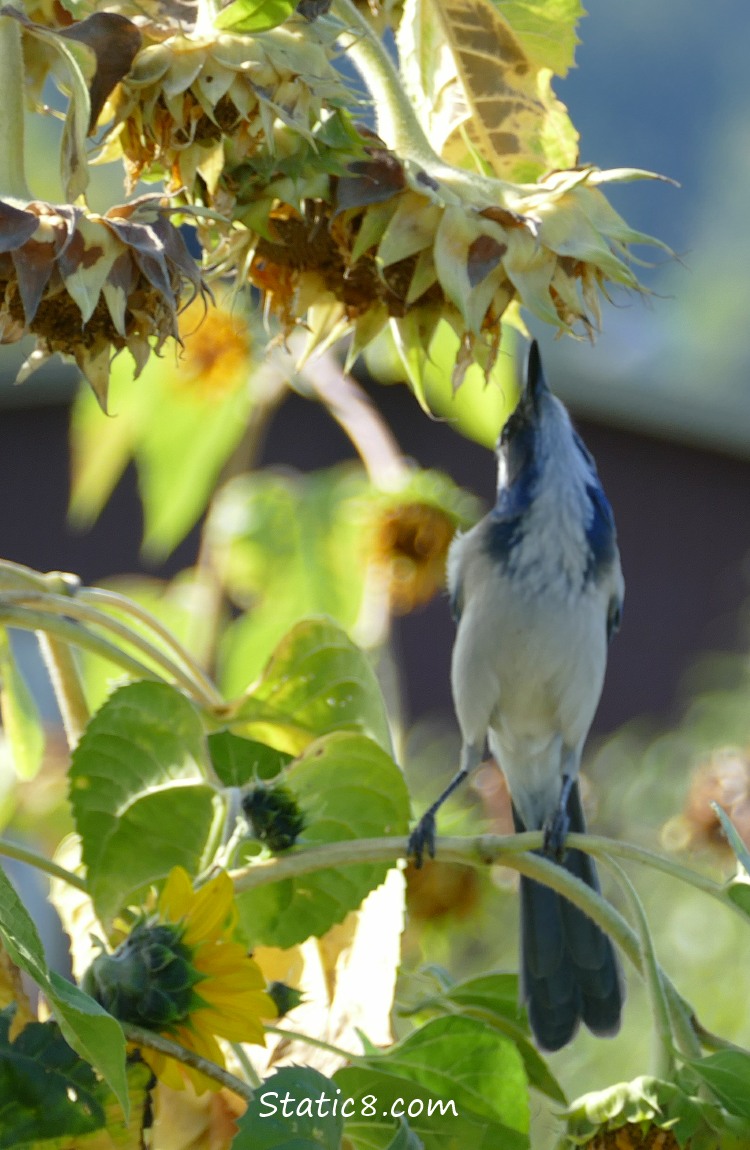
(534, 385)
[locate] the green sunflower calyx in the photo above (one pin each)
(148, 980)
(284, 997)
(274, 816)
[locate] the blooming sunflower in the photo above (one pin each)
(180, 973)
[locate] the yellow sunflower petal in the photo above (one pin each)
(237, 982)
(209, 910)
(233, 1027)
(176, 896)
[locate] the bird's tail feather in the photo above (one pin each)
(569, 970)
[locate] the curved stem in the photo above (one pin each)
(509, 850)
(66, 683)
(74, 633)
(23, 854)
(399, 126)
(12, 174)
(664, 1054)
(153, 1041)
(358, 417)
(73, 607)
(318, 1043)
(397, 121)
(117, 602)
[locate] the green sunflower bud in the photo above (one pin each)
(148, 980)
(274, 816)
(284, 997)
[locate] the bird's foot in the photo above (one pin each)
(555, 834)
(422, 839)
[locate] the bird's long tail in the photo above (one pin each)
(569, 970)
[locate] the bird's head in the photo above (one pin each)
(538, 430)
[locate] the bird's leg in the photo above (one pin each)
(422, 838)
(556, 828)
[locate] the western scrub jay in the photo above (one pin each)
(536, 588)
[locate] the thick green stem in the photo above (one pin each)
(71, 632)
(512, 851)
(12, 175)
(66, 683)
(111, 599)
(77, 608)
(397, 121)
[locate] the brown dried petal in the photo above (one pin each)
(371, 182)
(115, 42)
(484, 255)
(16, 226)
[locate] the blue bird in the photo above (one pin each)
(536, 589)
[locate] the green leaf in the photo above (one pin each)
(20, 716)
(292, 1110)
(480, 406)
(482, 86)
(347, 788)
(179, 458)
(317, 681)
(47, 1092)
(406, 1139)
(380, 1100)
(239, 761)
(727, 1074)
(179, 433)
(292, 547)
(468, 1061)
(89, 1030)
(496, 996)
(137, 783)
(546, 29)
(254, 15)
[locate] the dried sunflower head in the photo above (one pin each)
(87, 285)
(205, 105)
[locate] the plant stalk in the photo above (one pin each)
(66, 683)
(154, 1041)
(12, 173)
(13, 850)
(664, 1062)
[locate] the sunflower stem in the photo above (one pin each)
(75, 606)
(13, 850)
(318, 1043)
(73, 633)
(664, 1043)
(154, 1041)
(12, 173)
(399, 125)
(66, 683)
(397, 121)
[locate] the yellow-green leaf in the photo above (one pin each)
(482, 87)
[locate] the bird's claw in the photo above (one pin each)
(422, 839)
(555, 834)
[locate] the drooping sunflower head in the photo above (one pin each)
(181, 972)
(88, 285)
